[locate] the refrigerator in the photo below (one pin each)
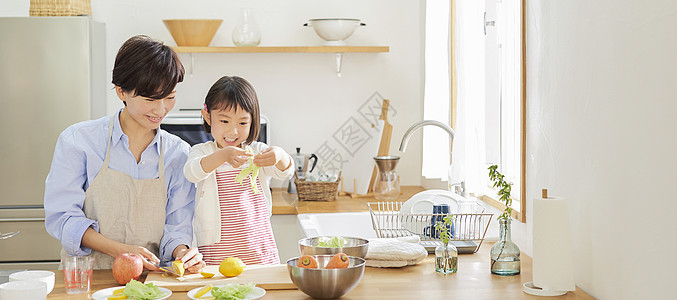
(52, 75)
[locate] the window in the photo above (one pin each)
(489, 109)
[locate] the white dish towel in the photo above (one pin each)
(395, 252)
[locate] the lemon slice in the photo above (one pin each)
(207, 275)
(204, 290)
(119, 291)
(117, 297)
(177, 265)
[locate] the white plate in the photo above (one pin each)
(256, 293)
(105, 293)
(422, 203)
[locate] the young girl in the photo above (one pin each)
(116, 183)
(231, 217)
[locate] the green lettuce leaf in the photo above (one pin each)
(232, 291)
(139, 291)
(252, 171)
(331, 242)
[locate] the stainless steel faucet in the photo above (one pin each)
(459, 187)
(405, 138)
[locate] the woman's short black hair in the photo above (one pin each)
(233, 92)
(147, 67)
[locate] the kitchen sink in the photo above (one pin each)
(355, 224)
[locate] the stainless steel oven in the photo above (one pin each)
(187, 124)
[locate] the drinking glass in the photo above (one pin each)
(77, 274)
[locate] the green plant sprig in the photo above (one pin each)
(503, 191)
(444, 228)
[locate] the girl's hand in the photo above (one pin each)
(234, 156)
(273, 156)
(150, 261)
(191, 258)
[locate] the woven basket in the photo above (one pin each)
(60, 7)
(316, 190)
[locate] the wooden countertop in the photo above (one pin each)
(289, 204)
(472, 281)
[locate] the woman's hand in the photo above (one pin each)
(273, 156)
(234, 156)
(150, 261)
(191, 258)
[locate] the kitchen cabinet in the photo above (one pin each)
(337, 50)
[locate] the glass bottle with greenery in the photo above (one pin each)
(446, 255)
(505, 254)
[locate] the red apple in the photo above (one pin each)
(127, 266)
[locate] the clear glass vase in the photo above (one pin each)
(505, 255)
(446, 259)
(246, 32)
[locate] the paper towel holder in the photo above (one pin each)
(529, 287)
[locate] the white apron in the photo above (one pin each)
(130, 211)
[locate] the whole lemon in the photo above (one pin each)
(231, 266)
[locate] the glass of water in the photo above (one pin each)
(77, 274)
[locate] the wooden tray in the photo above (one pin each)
(267, 277)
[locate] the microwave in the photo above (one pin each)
(187, 124)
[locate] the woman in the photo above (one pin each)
(116, 184)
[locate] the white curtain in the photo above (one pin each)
(436, 104)
(469, 144)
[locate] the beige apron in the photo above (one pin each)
(130, 211)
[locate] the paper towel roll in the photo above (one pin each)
(552, 249)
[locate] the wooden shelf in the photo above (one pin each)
(286, 49)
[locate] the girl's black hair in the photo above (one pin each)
(233, 92)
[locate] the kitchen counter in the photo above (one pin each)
(288, 204)
(473, 281)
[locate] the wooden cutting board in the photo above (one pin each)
(267, 277)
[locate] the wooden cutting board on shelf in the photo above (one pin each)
(267, 277)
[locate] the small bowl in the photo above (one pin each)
(326, 283)
(334, 30)
(193, 32)
(354, 246)
(24, 289)
(45, 276)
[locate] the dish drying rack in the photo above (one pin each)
(388, 222)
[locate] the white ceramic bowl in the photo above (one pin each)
(334, 30)
(45, 276)
(25, 289)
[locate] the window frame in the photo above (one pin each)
(490, 198)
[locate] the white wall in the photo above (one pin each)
(601, 132)
(300, 93)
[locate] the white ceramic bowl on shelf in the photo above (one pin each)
(334, 30)
(45, 276)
